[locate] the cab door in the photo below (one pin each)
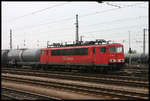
(101, 56)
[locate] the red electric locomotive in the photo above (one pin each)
(100, 56)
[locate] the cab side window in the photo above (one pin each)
(103, 49)
(42, 51)
(93, 50)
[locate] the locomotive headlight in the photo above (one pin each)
(120, 60)
(112, 60)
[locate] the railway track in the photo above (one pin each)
(107, 79)
(117, 76)
(132, 70)
(14, 94)
(80, 87)
(141, 71)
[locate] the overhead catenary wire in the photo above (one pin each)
(96, 30)
(119, 5)
(35, 12)
(83, 26)
(100, 30)
(117, 20)
(44, 9)
(31, 13)
(65, 19)
(115, 28)
(134, 5)
(113, 5)
(69, 18)
(61, 20)
(39, 25)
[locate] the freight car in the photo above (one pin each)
(4, 57)
(137, 58)
(94, 56)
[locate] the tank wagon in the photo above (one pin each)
(137, 58)
(22, 56)
(4, 57)
(14, 56)
(30, 57)
(93, 56)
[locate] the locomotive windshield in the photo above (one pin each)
(114, 49)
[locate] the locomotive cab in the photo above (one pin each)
(116, 54)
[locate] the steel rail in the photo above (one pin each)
(25, 95)
(89, 79)
(79, 74)
(96, 90)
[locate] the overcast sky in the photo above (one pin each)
(39, 22)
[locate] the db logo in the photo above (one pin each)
(67, 58)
